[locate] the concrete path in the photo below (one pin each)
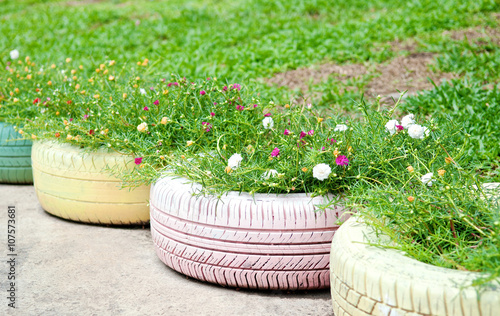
(67, 268)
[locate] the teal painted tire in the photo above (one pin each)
(15, 157)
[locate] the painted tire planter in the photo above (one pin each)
(367, 280)
(261, 242)
(73, 184)
(15, 156)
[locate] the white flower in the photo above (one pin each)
(142, 127)
(391, 126)
(268, 122)
(143, 92)
(14, 54)
(321, 171)
(234, 161)
(269, 173)
(427, 179)
(408, 120)
(340, 128)
(417, 131)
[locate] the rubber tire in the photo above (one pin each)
(368, 280)
(15, 157)
(74, 185)
(276, 242)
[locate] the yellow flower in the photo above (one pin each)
(96, 96)
(75, 78)
(183, 157)
(135, 86)
(27, 58)
(82, 92)
(410, 169)
(138, 63)
(110, 98)
(411, 199)
(77, 86)
(33, 136)
(162, 157)
(165, 91)
(105, 72)
(304, 169)
(137, 78)
(91, 80)
(57, 113)
(28, 77)
(112, 63)
(81, 67)
(65, 122)
(142, 127)
(69, 137)
(189, 143)
(11, 93)
(73, 71)
(320, 119)
(68, 60)
(441, 172)
(53, 66)
(111, 78)
(349, 149)
(16, 100)
(102, 66)
(336, 152)
(448, 160)
(228, 169)
(97, 70)
(287, 106)
(164, 120)
(49, 83)
(124, 95)
(21, 131)
(145, 62)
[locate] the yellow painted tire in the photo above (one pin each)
(367, 280)
(73, 184)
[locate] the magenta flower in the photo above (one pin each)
(311, 132)
(331, 140)
(138, 160)
(224, 88)
(151, 88)
(240, 107)
(255, 105)
(215, 103)
(302, 135)
(202, 92)
(207, 125)
(286, 132)
(156, 102)
(322, 148)
(342, 161)
(267, 114)
(236, 87)
(400, 127)
(71, 120)
(275, 152)
(86, 116)
(172, 84)
(212, 113)
(146, 108)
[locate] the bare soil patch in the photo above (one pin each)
(476, 35)
(410, 73)
(301, 78)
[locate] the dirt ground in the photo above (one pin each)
(68, 268)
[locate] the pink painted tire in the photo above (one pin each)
(261, 242)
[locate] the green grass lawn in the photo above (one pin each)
(252, 41)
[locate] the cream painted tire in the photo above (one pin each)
(74, 185)
(368, 280)
(261, 242)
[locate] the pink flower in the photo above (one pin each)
(275, 152)
(255, 105)
(146, 108)
(267, 114)
(71, 120)
(322, 148)
(311, 132)
(138, 160)
(212, 113)
(151, 88)
(236, 87)
(156, 102)
(202, 92)
(172, 84)
(400, 127)
(331, 140)
(224, 88)
(240, 107)
(302, 135)
(342, 161)
(215, 103)
(207, 125)
(286, 132)
(86, 116)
